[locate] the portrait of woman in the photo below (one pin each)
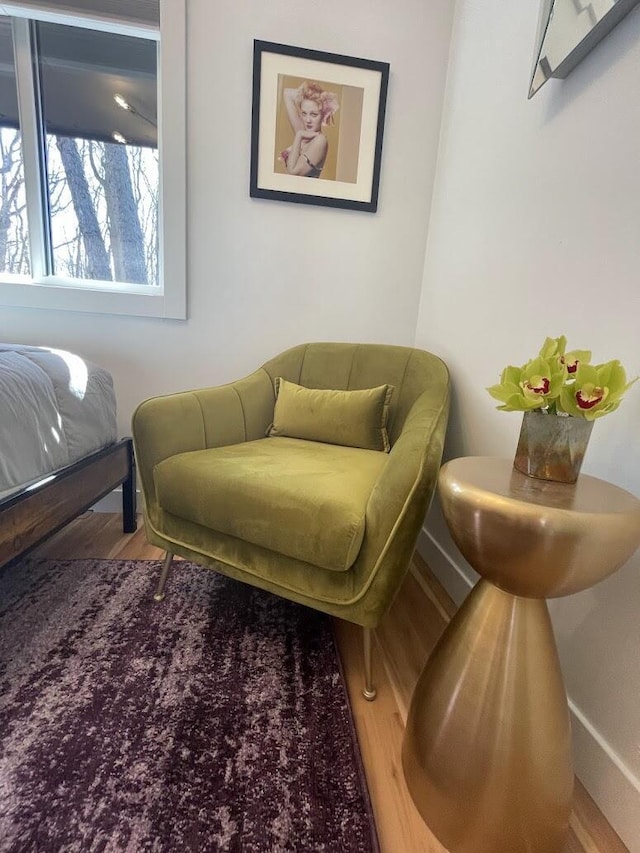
(310, 110)
(316, 126)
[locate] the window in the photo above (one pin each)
(15, 257)
(92, 214)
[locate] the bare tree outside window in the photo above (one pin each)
(104, 210)
(103, 202)
(14, 243)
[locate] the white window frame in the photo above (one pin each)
(167, 299)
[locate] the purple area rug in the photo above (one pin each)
(216, 720)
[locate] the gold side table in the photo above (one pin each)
(487, 747)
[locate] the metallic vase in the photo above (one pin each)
(552, 447)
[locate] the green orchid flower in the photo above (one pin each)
(556, 348)
(596, 390)
(553, 348)
(576, 357)
(535, 385)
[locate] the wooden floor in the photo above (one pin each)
(403, 643)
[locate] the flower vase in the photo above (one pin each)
(552, 447)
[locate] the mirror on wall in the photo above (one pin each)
(568, 30)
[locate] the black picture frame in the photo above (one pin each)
(351, 97)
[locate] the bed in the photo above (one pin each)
(59, 450)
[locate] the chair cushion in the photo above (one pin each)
(349, 418)
(304, 499)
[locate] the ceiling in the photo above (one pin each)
(129, 11)
(81, 70)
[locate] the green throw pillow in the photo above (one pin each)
(349, 418)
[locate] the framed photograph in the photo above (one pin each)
(317, 126)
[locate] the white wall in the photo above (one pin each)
(265, 275)
(535, 231)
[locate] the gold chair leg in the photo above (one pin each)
(369, 691)
(159, 595)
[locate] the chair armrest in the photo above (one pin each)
(196, 420)
(401, 498)
(239, 411)
(162, 427)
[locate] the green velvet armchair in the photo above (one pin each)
(330, 520)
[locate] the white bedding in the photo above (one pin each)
(55, 408)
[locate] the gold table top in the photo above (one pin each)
(532, 537)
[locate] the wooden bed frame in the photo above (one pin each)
(36, 512)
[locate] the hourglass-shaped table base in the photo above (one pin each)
(487, 747)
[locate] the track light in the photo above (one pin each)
(122, 102)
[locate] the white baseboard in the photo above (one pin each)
(113, 501)
(615, 789)
(613, 786)
(456, 582)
